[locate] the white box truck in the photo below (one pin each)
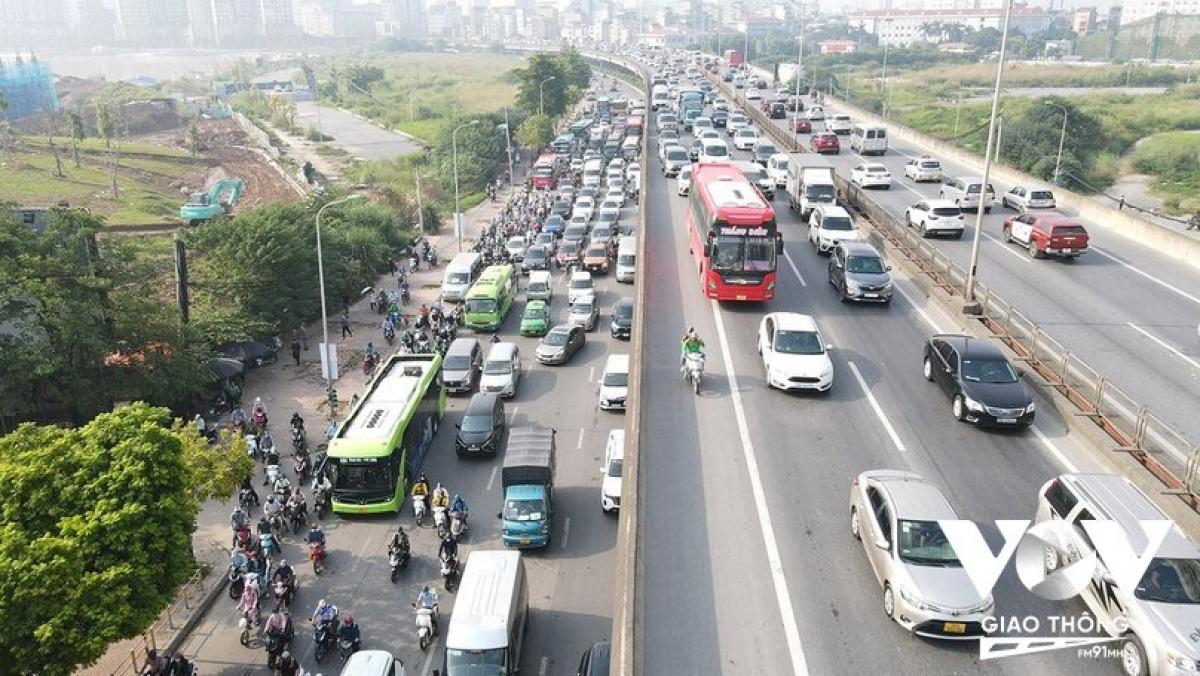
(810, 183)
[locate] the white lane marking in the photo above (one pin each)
(1163, 343)
(795, 270)
(579, 442)
(592, 374)
(492, 478)
(1007, 248)
(566, 533)
(887, 424)
(363, 551)
(920, 311)
(427, 663)
(1062, 458)
(1156, 280)
(783, 597)
(544, 665)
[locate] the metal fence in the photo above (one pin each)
(1156, 445)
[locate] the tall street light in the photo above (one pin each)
(1061, 139)
(971, 306)
(883, 77)
(457, 213)
(542, 94)
(326, 357)
(508, 144)
(799, 61)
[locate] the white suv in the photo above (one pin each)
(1157, 619)
(829, 225)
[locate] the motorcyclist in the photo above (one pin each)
(297, 503)
(448, 550)
(325, 613)
(249, 601)
(248, 490)
(297, 421)
(280, 624)
(315, 535)
(459, 505)
(238, 519)
(420, 488)
(282, 485)
(322, 483)
(441, 497)
(428, 598)
(690, 344)
(399, 541)
(350, 632)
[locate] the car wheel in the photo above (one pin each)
(959, 408)
(854, 524)
(927, 369)
(1133, 656)
(924, 232)
(1033, 250)
(958, 235)
(1007, 233)
(889, 601)
(987, 210)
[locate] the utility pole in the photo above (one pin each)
(999, 131)
(420, 209)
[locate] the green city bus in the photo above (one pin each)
(380, 447)
(491, 297)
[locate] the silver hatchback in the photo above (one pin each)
(926, 590)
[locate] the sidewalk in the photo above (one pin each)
(285, 387)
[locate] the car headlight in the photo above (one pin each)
(911, 598)
(887, 286)
(1181, 662)
(851, 285)
(1029, 408)
(545, 527)
(972, 404)
(986, 605)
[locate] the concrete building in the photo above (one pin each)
(445, 21)
(404, 19)
(89, 21)
(277, 19)
(152, 23)
(236, 23)
(903, 27)
(1136, 10)
(838, 46)
(1084, 20)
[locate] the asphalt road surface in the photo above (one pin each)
(749, 564)
(1124, 308)
(357, 136)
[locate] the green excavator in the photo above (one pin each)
(203, 206)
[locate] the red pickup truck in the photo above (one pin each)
(1047, 234)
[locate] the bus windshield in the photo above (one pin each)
(743, 254)
(365, 477)
(481, 305)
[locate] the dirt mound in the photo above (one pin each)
(232, 154)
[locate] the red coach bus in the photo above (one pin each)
(543, 172)
(733, 234)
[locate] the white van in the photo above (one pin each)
(593, 170)
(491, 614)
(777, 169)
(626, 259)
(868, 139)
(462, 272)
(614, 460)
(713, 150)
(373, 663)
(614, 384)
(539, 287)
(501, 370)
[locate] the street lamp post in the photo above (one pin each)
(326, 358)
(508, 145)
(542, 94)
(799, 62)
(457, 213)
(1061, 139)
(883, 78)
(971, 306)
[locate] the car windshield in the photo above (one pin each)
(568, 247)
(751, 254)
(922, 543)
(677, 154)
(522, 510)
(615, 467)
(457, 362)
(798, 342)
(877, 169)
(819, 191)
(596, 252)
(497, 367)
(581, 308)
(458, 278)
(555, 338)
(535, 252)
(1171, 581)
(931, 165)
(623, 311)
(477, 423)
(481, 305)
(716, 150)
(865, 264)
(516, 243)
(581, 283)
(475, 662)
(836, 223)
(535, 313)
(988, 370)
(765, 149)
(616, 379)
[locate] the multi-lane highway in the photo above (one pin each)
(749, 563)
(571, 581)
(1125, 308)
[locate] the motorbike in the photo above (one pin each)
(284, 593)
(449, 566)
(252, 448)
(368, 364)
(244, 626)
(458, 524)
(299, 520)
(389, 336)
(300, 466)
(267, 541)
(380, 303)
(260, 421)
(426, 626)
(423, 346)
(299, 440)
(440, 521)
(346, 648)
(237, 582)
(246, 500)
(241, 538)
(316, 554)
(276, 644)
(405, 295)
(320, 502)
(694, 369)
(398, 560)
(282, 485)
(274, 471)
(419, 506)
(324, 637)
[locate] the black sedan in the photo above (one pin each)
(537, 257)
(250, 352)
(720, 118)
(561, 208)
(983, 387)
(763, 152)
(559, 344)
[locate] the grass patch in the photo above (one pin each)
(29, 179)
(1173, 158)
(95, 145)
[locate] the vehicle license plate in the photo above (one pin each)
(1067, 251)
(955, 628)
(525, 541)
(870, 295)
(741, 296)
(1006, 421)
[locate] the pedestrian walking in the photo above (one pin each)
(346, 325)
(392, 266)
(1121, 204)
(296, 351)
(1194, 223)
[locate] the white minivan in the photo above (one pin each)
(491, 615)
(626, 258)
(614, 384)
(539, 286)
(713, 150)
(869, 139)
(614, 459)
(461, 273)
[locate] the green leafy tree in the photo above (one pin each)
(360, 76)
(534, 85)
(536, 132)
(96, 530)
(1031, 133)
(193, 136)
(481, 151)
(77, 131)
(108, 122)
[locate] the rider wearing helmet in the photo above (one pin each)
(459, 505)
(690, 344)
(420, 488)
(448, 550)
(315, 535)
(349, 631)
(441, 496)
(399, 541)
